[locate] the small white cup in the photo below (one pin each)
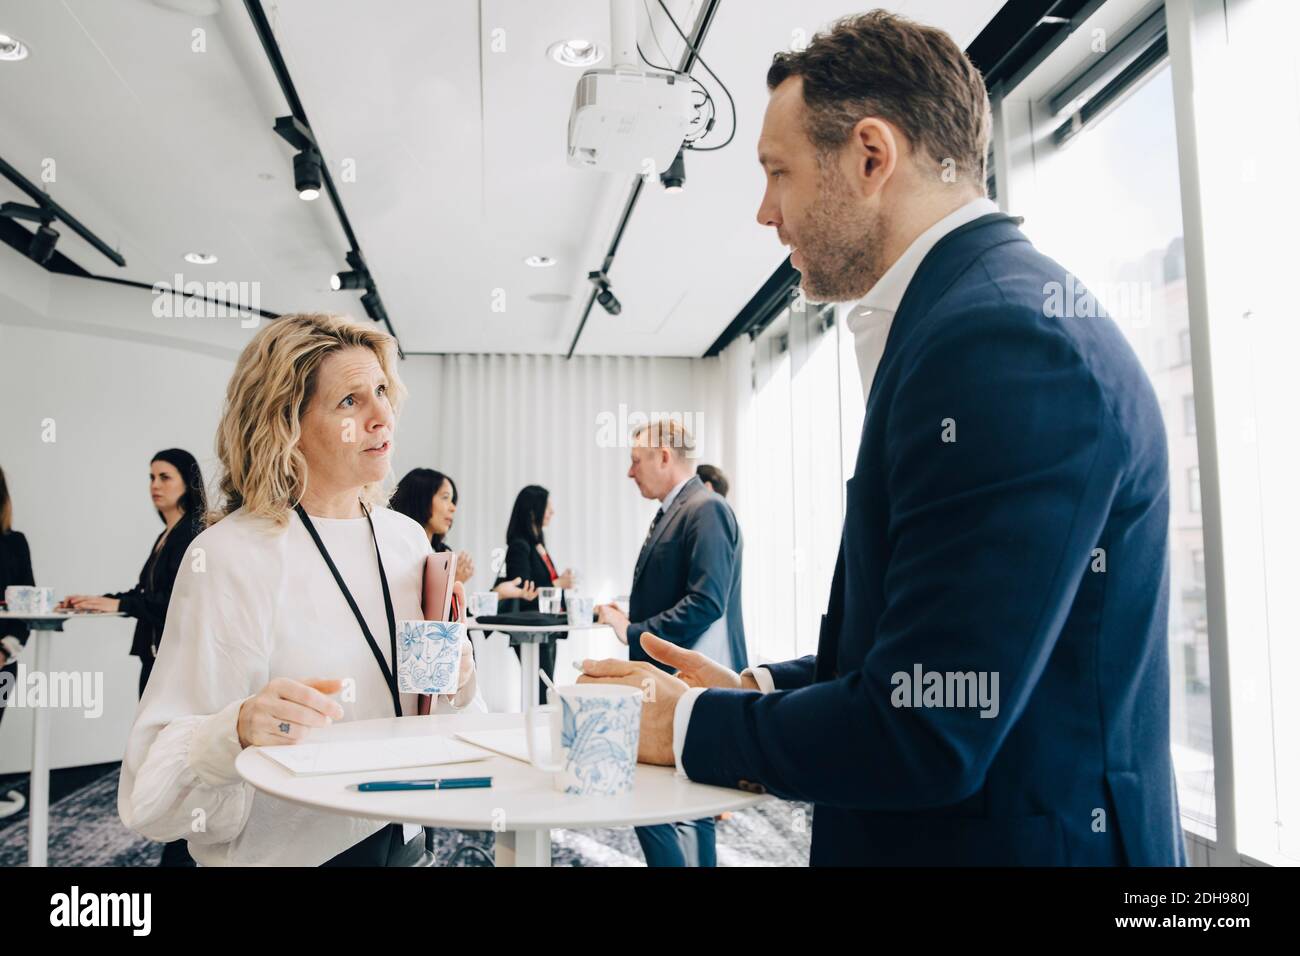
(594, 730)
(483, 603)
(25, 599)
(428, 657)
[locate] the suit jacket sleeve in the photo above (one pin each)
(711, 537)
(990, 537)
(788, 675)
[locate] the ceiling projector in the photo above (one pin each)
(627, 121)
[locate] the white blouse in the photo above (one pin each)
(253, 602)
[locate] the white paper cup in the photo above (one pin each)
(593, 730)
(428, 657)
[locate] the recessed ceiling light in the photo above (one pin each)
(577, 53)
(540, 262)
(12, 48)
(200, 258)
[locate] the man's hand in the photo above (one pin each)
(660, 695)
(694, 668)
(613, 615)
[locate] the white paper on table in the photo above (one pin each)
(508, 743)
(353, 756)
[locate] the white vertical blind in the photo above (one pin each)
(496, 423)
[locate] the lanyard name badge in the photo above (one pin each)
(389, 677)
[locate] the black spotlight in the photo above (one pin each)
(374, 306)
(42, 244)
(306, 174)
(674, 177)
(608, 301)
(349, 280)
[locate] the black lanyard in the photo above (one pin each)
(389, 679)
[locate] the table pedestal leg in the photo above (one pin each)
(528, 663)
(38, 807)
(524, 848)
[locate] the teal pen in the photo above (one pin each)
(446, 783)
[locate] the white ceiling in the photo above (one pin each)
(458, 151)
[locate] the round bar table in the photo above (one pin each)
(522, 806)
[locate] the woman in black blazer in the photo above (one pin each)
(176, 487)
(527, 558)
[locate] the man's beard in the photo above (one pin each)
(840, 244)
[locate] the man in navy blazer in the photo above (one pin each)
(991, 684)
(686, 589)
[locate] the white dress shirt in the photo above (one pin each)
(871, 316)
(253, 602)
(669, 498)
(869, 319)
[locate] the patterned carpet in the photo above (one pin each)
(85, 831)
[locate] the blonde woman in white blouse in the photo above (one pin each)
(260, 633)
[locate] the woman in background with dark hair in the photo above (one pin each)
(176, 487)
(527, 558)
(15, 569)
(429, 498)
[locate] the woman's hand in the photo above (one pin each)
(512, 589)
(90, 602)
(565, 580)
(291, 704)
(464, 566)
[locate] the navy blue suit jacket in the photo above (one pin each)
(1009, 515)
(686, 586)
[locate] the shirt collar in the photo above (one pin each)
(672, 495)
(886, 295)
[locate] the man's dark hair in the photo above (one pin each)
(883, 65)
(714, 476)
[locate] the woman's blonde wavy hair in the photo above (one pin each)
(263, 470)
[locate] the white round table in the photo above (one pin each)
(38, 803)
(522, 806)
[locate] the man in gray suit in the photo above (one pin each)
(685, 590)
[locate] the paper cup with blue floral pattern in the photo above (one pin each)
(428, 656)
(594, 730)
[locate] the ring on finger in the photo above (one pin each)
(284, 726)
